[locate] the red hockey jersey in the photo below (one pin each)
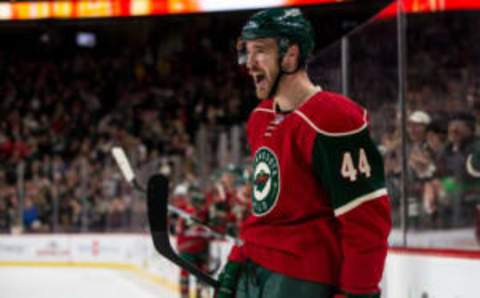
(320, 207)
(191, 238)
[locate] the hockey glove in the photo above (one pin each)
(228, 280)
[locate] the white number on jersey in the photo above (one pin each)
(348, 169)
(363, 164)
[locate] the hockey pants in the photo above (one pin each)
(257, 282)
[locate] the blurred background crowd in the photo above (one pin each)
(65, 107)
(177, 103)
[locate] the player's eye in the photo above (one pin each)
(259, 50)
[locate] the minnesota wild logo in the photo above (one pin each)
(261, 180)
(266, 183)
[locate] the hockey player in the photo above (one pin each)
(320, 211)
(219, 199)
(192, 239)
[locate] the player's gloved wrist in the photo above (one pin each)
(228, 280)
(350, 295)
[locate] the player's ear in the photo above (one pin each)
(291, 58)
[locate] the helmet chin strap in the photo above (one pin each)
(274, 88)
(281, 73)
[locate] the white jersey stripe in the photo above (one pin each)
(330, 134)
(264, 110)
(360, 200)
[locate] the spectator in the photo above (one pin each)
(434, 196)
(420, 164)
(457, 181)
(31, 219)
(436, 138)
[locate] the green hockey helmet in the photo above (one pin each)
(287, 25)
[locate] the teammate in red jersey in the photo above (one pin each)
(320, 210)
(192, 239)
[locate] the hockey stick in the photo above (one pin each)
(157, 193)
(126, 168)
(158, 215)
(127, 171)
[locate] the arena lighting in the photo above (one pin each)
(86, 39)
(78, 9)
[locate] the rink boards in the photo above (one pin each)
(133, 253)
(427, 273)
(410, 273)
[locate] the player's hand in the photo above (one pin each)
(228, 280)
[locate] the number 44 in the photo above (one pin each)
(348, 169)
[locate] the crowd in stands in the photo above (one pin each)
(62, 115)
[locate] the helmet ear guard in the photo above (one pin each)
(283, 44)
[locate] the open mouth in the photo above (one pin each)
(259, 79)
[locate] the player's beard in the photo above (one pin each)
(264, 87)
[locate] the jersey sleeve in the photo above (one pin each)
(350, 169)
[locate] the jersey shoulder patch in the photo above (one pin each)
(333, 114)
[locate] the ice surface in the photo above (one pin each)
(69, 282)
